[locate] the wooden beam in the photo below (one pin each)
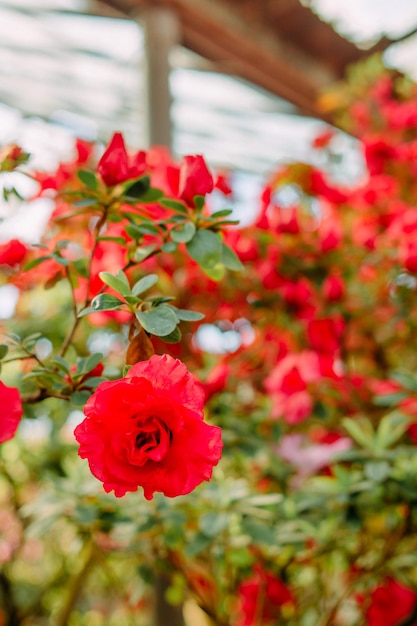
(219, 34)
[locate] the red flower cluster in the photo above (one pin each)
(147, 430)
(262, 598)
(11, 412)
(190, 179)
(391, 604)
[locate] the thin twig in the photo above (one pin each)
(73, 329)
(76, 585)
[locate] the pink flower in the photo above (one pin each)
(147, 430)
(11, 412)
(309, 457)
(287, 386)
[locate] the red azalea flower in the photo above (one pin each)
(390, 604)
(262, 598)
(12, 252)
(147, 430)
(333, 288)
(84, 150)
(195, 178)
(378, 152)
(216, 380)
(287, 386)
(115, 166)
(222, 184)
(324, 334)
(320, 187)
(11, 413)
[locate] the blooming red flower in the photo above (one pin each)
(147, 430)
(390, 604)
(262, 598)
(333, 288)
(324, 334)
(115, 166)
(195, 178)
(12, 252)
(11, 412)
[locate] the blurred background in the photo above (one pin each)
(235, 80)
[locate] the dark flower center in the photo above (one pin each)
(152, 441)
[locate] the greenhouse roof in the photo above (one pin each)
(80, 66)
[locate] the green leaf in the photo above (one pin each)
(79, 398)
(215, 273)
(199, 202)
(174, 204)
(161, 300)
(173, 337)
(60, 259)
(199, 543)
(62, 364)
(222, 213)
(377, 471)
(211, 524)
(31, 339)
(87, 364)
(88, 179)
(81, 267)
(183, 233)
(187, 316)
(143, 284)
(3, 350)
(105, 302)
(132, 300)
(230, 259)
(390, 399)
(86, 311)
(92, 361)
(94, 381)
(170, 246)
(36, 262)
(137, 230)
(143, 253)
(391, 428)
(84, 203)
(152, 195)
(119, 240)
(259, 533)
(136, 189)
(205, 248)
(118, 282)
(361, 431)
(159, 321)
(63, 243)
(406, 380)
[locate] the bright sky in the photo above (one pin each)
(363, 19)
